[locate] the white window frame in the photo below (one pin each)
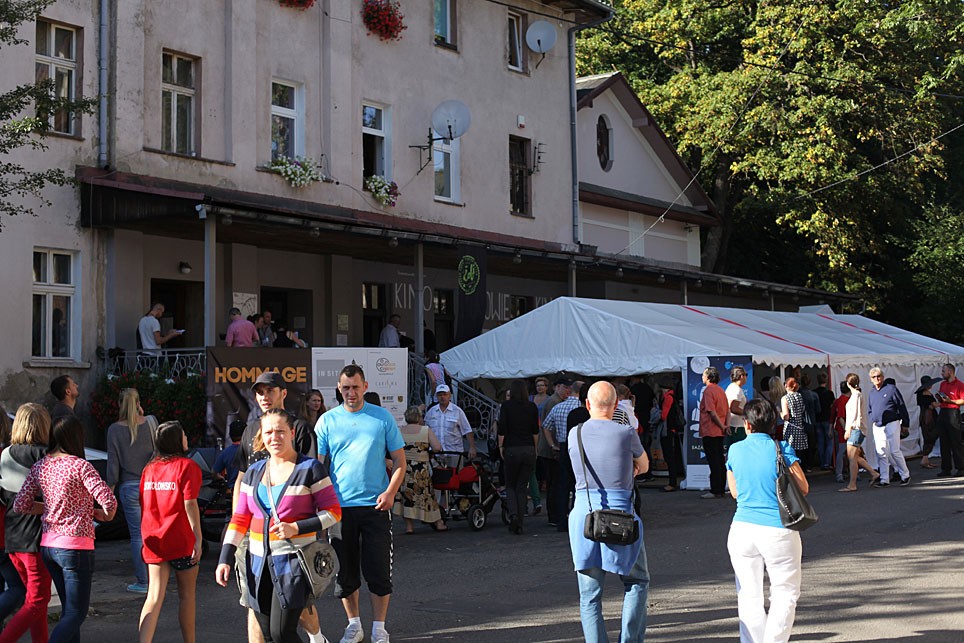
(297, 114)
(449, 38)
(451, 148)
(175, 92)
(49, 290)
(385, 133)
(515, 40)
(54, 63)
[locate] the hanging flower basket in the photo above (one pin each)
(385, 191)
(383, 18)
(298, 172)
(297, 4)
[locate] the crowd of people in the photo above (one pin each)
(340, 474)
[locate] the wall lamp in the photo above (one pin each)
(184, 268)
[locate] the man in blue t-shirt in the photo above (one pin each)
(355, 437)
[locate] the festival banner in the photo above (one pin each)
(697, 471)
(386, 371)
(472, 302)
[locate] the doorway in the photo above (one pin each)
(290, 308)
(183, 309)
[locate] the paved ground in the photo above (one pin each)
(882, 565)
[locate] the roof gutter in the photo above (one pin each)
(571, 35)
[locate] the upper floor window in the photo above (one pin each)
(56, 49)
(445, 30)
(519, 194)
(54, 293)
(445, 154)
(177, 103)
(604, 143)
(376, 142)
(516, 52)
(287, 120)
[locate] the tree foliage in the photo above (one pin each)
(792, 114)
(25, 114)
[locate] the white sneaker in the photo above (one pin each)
(380, 637)
(353, 634)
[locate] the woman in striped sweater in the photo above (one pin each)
(304, 501)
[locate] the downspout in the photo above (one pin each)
(102, 55)
(571, 34)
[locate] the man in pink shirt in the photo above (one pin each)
(714, 410)
(241, 333)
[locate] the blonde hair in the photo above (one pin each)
(776, 390)
(130, 402)
(31, 425)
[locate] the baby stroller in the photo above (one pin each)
(468, 489)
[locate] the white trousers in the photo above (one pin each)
(887, 442)
(754, 548)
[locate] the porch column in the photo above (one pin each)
(572, 278)
(210, 276)
(419, 309)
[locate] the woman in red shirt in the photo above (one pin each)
(171, 524)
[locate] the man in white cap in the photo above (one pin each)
(449, 423)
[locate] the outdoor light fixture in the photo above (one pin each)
(517, 258)
(699, 283)
(226, 220)
(661, 279)
(736, 288)
(315, 231)
(184, 267)
(393, 242)
(619, 271)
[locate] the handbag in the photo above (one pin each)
(795, 511)
(317, 559)
(608, 526)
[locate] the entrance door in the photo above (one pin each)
(290, 308)
(374, 311)
(444, 319)
(183, 309)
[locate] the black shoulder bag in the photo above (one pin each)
(609, 526)
(795, 511)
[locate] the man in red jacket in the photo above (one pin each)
(713, 416)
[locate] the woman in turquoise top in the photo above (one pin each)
(758, 540)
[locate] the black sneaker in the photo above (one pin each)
(880, 485)
(905, 481)
(944, 474)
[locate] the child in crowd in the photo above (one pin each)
(224, 464)
(171, 524)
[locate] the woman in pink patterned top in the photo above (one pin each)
(69, 485)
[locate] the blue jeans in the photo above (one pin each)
(14, 591)
(129, 494)
(635, 593)
(826, 441)
(72, 571)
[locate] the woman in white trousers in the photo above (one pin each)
(758, 541)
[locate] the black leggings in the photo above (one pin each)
(280, 625)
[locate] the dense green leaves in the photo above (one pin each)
(774, 102)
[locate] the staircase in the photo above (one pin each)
(481, 410)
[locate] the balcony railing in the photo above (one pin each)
(174, 362)
(481, 410)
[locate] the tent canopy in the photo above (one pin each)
(600, 337)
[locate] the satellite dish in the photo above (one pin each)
(451, 119)
(540, 36)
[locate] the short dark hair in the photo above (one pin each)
(712, 374)
(169, 440)
(59, 386)
(351, 371)
(518, 390)
(67, 434)
(761, 416)
(234, 311)
(950, 367)
(394, 316)
(844, 389)
(805, 380)
(371, 397)
(822, 379)
(236, 430)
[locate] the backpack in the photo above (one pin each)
(675, 420)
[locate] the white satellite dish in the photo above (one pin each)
(540, 36)
(451, 119)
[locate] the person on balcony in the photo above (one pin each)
(149, 331)
(241, 333)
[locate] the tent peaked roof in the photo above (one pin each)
(600, 337)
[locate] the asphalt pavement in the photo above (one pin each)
(882, 565)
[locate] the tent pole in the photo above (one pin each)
(686, 292)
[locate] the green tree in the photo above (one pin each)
(773, 101)
(25, 113)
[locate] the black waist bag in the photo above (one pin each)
(608, 526)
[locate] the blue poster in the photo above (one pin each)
(697, 473)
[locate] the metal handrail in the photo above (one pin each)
(481, 410)
(171, 362)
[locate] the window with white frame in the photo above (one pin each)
(287, 120)
(445, 154)
(54, 296)
(178, 75)
(376, 141)
(516, 52)
(56, 49)
(445, 31)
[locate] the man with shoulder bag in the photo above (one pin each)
(606, 456)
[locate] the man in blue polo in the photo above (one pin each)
(355, 437)
(886, 412)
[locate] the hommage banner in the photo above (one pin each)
(471, 301)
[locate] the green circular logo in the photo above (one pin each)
(469, 274)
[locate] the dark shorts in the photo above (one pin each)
(182, 564)
(363, 542)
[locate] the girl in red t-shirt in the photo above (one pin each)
(171, 528)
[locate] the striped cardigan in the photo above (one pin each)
(307, 499)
